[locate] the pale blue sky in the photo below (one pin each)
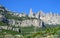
(36, 5)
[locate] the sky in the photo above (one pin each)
(36, 5)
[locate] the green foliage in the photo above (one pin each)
(44, 33)
(9, 32)
(2, 24)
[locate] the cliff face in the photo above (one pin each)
(16, 19)
(48, 18)
(51, 18)
(25, 23)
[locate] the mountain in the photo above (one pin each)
(13, 21)
(40, 19)
(16, 24)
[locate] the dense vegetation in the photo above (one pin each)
(38, 32)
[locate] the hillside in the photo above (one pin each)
(16, 25)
